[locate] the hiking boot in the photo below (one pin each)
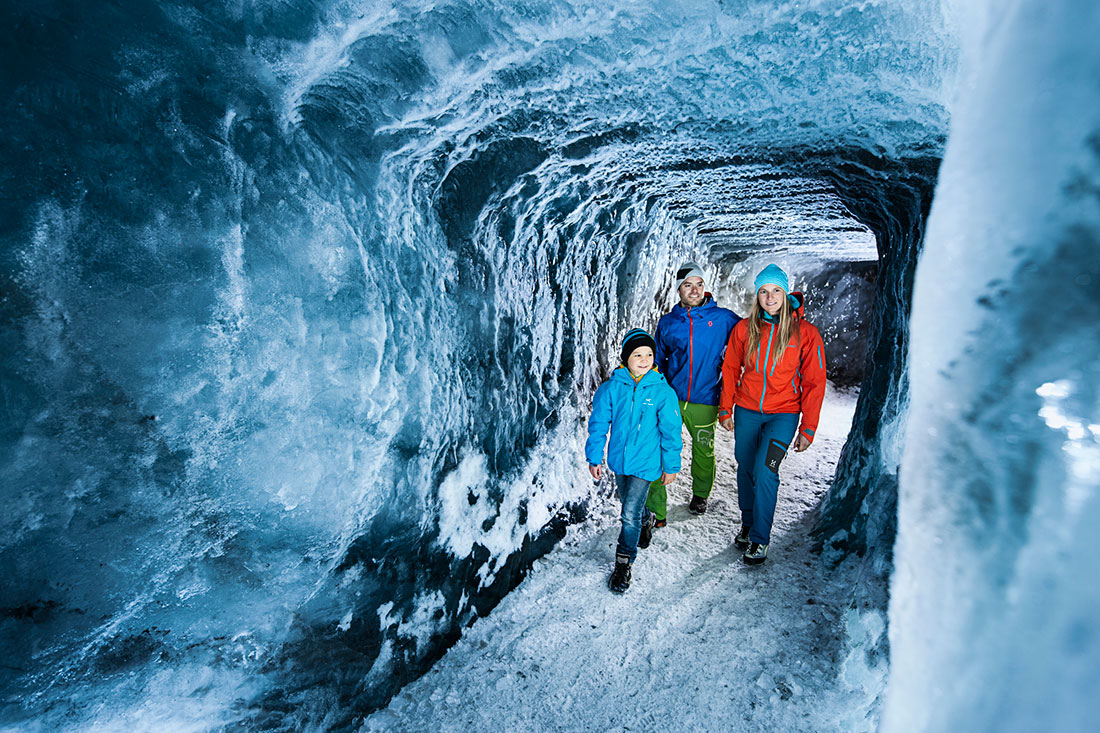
(698, 505)
(658, 523)
(647, 533)
(620, 577)
(741, 541)
(756, 554)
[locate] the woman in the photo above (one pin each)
(774, 369)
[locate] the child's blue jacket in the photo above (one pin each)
(644, 418)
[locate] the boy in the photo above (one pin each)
(643, 414)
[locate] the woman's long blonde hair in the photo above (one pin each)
(786, 328)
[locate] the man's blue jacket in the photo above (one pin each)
(644, 420)
(690, 346)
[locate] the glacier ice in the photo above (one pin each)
(993, 600)
(286, 285)
(301, 303)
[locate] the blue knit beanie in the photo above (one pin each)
(634, 339)
(773, 275)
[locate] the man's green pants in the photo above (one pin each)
(700, 421)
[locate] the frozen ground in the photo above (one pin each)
(699, 642)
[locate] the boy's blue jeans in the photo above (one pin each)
(760, 442)
(632, 492)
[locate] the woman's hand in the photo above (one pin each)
(667, 478)
(596, 471)
(801, 443)
(727, 423)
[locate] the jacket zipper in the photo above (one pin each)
(634, 407)
(764, 374)
(691, 352)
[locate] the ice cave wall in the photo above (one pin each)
(301, 305)
(993, 613)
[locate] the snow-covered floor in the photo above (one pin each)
(699, 642)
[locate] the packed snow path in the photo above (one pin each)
(699, 642)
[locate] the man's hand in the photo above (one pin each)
(596, 471)
(667, 478)
(801, 443)
(727, 423)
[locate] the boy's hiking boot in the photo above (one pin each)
(698, 505)
(647, 533)
(620, 578)
(658, 523)
(741, 541)
(756, 554)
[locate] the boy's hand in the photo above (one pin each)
(727, 423)
(595, 471)
(667, 478)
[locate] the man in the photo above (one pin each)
(691, 341)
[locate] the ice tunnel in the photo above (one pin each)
(302, 305)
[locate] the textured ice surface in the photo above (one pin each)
(993, 615)
(283, 285)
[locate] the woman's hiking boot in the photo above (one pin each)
(620, 577)
(698, 505)
(741, 541)
(756, 554)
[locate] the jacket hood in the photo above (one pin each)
(797, 301)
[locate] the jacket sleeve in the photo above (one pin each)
(660, 359)
(599, 422)
(668, 425)
(813, 379)
(731, 372)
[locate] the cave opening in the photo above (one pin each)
(846, 225)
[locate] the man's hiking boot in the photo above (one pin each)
(620, 578)
(698, 505)
(741, 541)
(756, 554)
(647, 533)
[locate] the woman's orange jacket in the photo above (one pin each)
(791, 382)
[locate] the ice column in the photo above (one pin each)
(994, 600)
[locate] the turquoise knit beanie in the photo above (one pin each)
(773, 275)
